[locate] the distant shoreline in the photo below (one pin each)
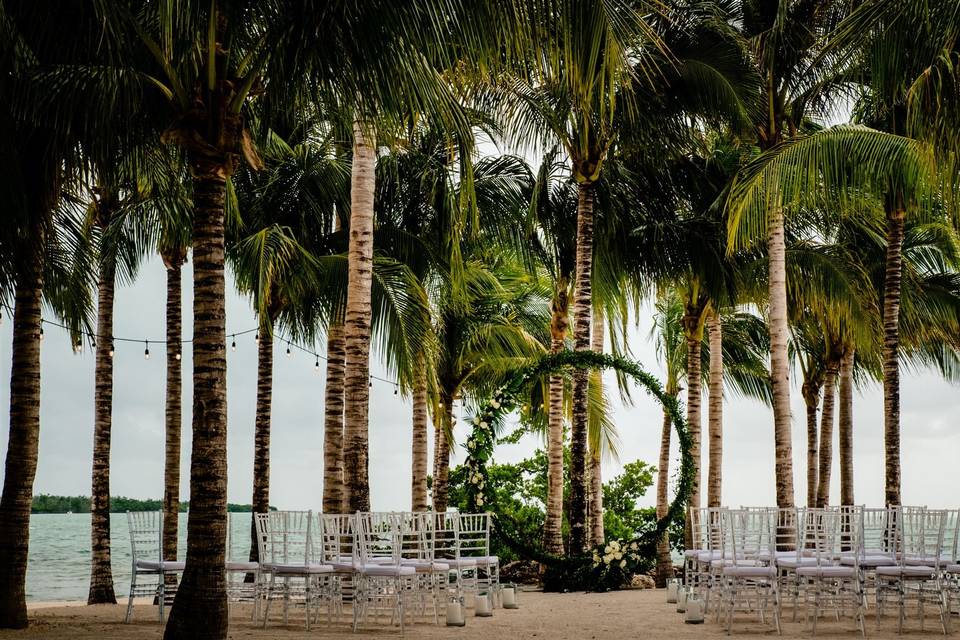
(50, 504)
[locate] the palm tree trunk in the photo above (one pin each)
(596, 477)
(692, 328)
(846, 427)
(356, 325)
(559, 325)
(261, 433)
(826, 434)
(811, 398)
(22, 446)
(418, 489)
(173, 405)
(664, 561)
(333, 493)
(715, 473)
(582, 304)
(779, 358)
(891, 364)
(441, 453)
(200, 607)
(101, 574)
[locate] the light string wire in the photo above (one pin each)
(291, 344)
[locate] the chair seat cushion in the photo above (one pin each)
(387, 570)
(766, 556)
(462, 563)
(694, 553)
(345, 567)
(166, 566)
(870, 561)
(906, 572)
(827, 572)
(484, 560)
(953, 568)
(242, 566)
(794, 562)
(294, 568)
(426, 566)
(917, 560)
(757, 571)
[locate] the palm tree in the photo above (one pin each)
(902, 95)
(715, 429)
(581, 71)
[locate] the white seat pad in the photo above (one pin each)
(795, 562)
(483, 560)
(425, 566)
(167, 566)
(906, 572)
(953, 568)
(462, 563)
(386, 570)
(740, 571)
(297, 568)
(870, 561)
(345, 567)
(242, 566)
(827, 572)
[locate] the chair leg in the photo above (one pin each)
(133, 584)
(163, 596)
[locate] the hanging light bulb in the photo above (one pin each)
(41, 332)
(77, 347)
(178, 356)
(146, 351)
(256, 338)
(371, 382)
(233, 345)
(396, 390)
(93, 344)
(316, 367)
(111, 348)
(288, 350)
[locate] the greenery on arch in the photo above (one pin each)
(607, 565)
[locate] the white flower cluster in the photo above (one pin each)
(616, 553)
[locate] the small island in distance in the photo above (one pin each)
(45, 503)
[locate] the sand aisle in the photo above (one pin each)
(614, 616)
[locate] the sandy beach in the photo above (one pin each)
(576, 616)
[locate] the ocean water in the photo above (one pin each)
(58, 567)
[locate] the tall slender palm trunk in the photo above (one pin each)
(101, 573)
(418, 486)
(811, 398)
(333, 492)
(779, 358)
(559, 325)
(891, 360)
(664, 561)
(260, 500)
(826, 433)
(441, 453)
(715, 428)
(356, 325)
(596, 476)
(693, 330)
(173, 261)
(582, 304)
(22, 446)
(200, 607)
(846, 427)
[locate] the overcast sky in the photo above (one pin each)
(930, 421)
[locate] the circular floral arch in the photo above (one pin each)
(593, 570)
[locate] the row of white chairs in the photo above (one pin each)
(830, 558)
(397, 563)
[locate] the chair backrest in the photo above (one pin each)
(879, 533)
(146, 535)
(378, 538)
(951, 532)
(821, 535)
(747, 533)
(239, 537)
(786, 529)
(284, 537)
(921, 535)
(444, 531)
(473, 534)
(336, 538)
(415, 535)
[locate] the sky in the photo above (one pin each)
(930, 418)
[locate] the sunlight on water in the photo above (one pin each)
(59, 562)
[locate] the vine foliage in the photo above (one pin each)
(589, 571)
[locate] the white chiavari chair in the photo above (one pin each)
(473, 542)
(447, 550)
(146, 553)
(744, 581)
(383, 583)
(242, 572)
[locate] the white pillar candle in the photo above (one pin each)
(470, 601)
(455, 614)
(672, 585)
(508, 596)
(481, 605)
(681, 600)
(694, 614)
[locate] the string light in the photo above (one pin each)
(78, 346)
(233, 346)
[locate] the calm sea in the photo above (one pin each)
(59, 564)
